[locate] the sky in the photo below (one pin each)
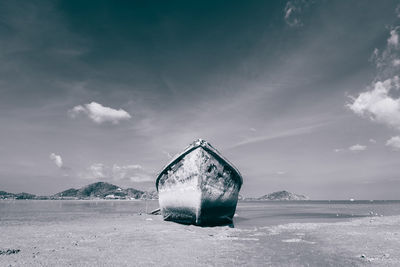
(299, 95)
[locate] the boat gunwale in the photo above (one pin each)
(207, 147)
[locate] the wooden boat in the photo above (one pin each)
(199, 186)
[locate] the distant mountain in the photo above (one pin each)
(4, 194)
(95, 190)
(283, 195)
(23, 195)
(72, 192)
(104, 190)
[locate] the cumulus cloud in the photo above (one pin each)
(373, 141)
(394, 142)
(116, 172)
(99, 113)
(378, 104)
(57, 160)
(357, 148)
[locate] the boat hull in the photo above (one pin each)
(200, 189)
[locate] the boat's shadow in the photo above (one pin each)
(228, 223)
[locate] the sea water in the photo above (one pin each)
(248, 213)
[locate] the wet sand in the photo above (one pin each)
(146, 240)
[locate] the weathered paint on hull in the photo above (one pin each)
(180, 202)
(199, 189)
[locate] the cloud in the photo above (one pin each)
(135, 173)
(131, 172)
(357, 148)
(371, 140)
(292, 9)
(76, 110)
(394, 142)
(387, 60)
(57, 160)
(337, 150)
(282, 134)
(97, 170)
(398, 11)
(394, 38)
(396, 62)
(99, 113)
(378, 104)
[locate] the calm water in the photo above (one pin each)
(249, 214)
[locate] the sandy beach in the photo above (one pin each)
(146, 240)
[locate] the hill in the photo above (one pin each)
(23, 195)
(104, 190)
(283, 195)
(95, 190)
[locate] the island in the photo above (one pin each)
(99, 190)
(283, 195)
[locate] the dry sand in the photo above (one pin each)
(145, 240)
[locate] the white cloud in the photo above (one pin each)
(388, 59)
(378, 104)
(288, 10)
(357, 148)
(280, 172)
(56, 159)
(99, 113)
(97, 170)
(337, 150)
(132, 172)
(76, 110)
(292, 10)
(396, 62)
(394, 38)
(394, 142)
